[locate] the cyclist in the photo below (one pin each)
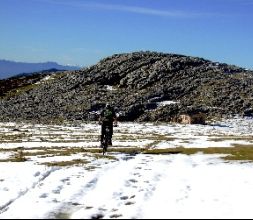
(107, 118)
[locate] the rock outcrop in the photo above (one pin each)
(143, 86)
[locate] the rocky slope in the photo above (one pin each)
(143, 86)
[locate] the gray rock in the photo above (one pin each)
(138, 84)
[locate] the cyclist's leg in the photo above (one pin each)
(102, 133)
(111, 133)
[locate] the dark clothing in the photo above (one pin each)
(104, 124)
(107, 117)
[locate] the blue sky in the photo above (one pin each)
(81, 32)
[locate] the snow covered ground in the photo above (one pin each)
(123, 185)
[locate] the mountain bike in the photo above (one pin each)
(106, 139)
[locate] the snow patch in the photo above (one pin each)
(164, 103)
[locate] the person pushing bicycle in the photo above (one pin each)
(107, 118)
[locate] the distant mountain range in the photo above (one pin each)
(12, 68)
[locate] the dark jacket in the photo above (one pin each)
(108, 115)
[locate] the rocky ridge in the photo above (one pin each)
(143, 86)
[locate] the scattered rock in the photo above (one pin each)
(143, 86)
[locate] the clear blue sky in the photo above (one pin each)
(81, 32)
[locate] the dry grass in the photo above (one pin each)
(13, 137)
(18, 156)
(233, 138)
(76, 162)
(239, 152)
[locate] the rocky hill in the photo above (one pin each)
(143, 86)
